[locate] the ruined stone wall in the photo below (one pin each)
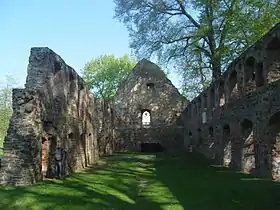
(236, 121)
(147, 89)
(105, 133)
(54, 109)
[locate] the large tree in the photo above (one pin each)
(197, 37)
(105, 73)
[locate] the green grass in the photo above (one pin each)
(148, 182)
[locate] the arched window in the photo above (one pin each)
(273, 60)
(233, 86)
(274, 132)
(146, 118)
(250, 74)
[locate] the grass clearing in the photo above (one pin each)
(147, 181)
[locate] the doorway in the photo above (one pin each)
(151, 147)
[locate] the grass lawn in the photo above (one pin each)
(148, 182)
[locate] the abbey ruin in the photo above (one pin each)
(235, 121)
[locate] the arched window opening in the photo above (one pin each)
(211, 131)
(233, 92)
(246, 127)
(226, 131)
(221, 93)
(190, 110)
(274, 44)
(247, 161)
(274, 128)
(211, 101)
(273, 60)
(212, 98)
(259, 75)
(199, 104)
(227, 145)
(204, 117)
(45, 155)
(205, 101)
(194, 108)
(250, 75)
(249, 68)
(190, 142)
(146, 117)
(211, 136)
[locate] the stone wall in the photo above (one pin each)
(54, 109)
(236, 121)
(105, 133)
(147, 90)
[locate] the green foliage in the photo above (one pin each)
(105, 73)
(5, 109)
(206, 33)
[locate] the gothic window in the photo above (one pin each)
(146, 118)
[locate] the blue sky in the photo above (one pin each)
(76, 30)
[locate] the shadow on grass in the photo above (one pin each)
(199, 185)
(147, 181)
(114, 186)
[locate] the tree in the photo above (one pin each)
(105, 73)
(5, 108)
(197, 37)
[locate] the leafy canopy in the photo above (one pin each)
(105, 73)
(198, 38)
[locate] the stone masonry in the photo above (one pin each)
(236, 121)
(148, 91)
(54, 109)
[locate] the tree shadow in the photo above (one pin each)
(161, 181)
(199, 185)
(114, 186)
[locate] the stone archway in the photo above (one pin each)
(227, 145)
(211, 142)
(45, 155)
(273, 60)
(247, 143)
(232, 85)
(250, 74)
(274, 145)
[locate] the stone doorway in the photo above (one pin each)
(247, 146)
(227, 145)
(274, 128)
(45, 155)
(151, 147)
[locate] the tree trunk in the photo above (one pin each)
(216, 69)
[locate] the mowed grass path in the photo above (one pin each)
(148, 182)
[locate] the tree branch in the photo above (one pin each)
(184, 11)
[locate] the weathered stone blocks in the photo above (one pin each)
(55, 109)
(148, 93)
(250, 110)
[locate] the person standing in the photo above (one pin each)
(59, 155)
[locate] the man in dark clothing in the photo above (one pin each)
(60, 155)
